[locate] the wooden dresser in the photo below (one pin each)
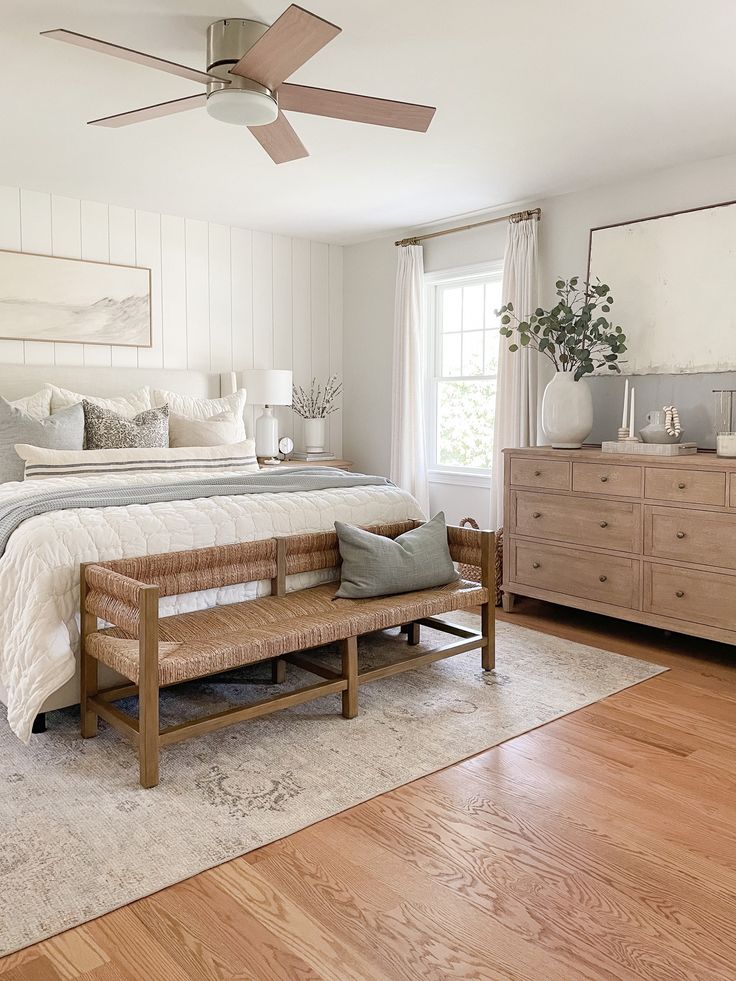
(650, 539)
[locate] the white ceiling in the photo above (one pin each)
(534, 97)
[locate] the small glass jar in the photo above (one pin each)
(725, 422)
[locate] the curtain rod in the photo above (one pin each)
(516, 216)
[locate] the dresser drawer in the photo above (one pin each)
(600, 478)
(582, 521)
(685, 486)
(590, 575)
(733, 491)
(700, 597)
(704, 537)
(551, 474)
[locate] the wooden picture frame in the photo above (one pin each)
(76, 301)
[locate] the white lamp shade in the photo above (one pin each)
(268, 386)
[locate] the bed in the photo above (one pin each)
(39, 570)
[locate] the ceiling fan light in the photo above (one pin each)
(242, 107)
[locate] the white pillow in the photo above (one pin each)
(186, 405)
(125, 405)
(215, 431)
(37, 406)
(41, 463)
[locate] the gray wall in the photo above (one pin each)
(692, 394)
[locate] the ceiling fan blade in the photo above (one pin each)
(358, 108)
(279, 140)
(293, 39)
(151, 112)
(128, 54)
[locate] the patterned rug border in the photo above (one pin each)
(654, 669)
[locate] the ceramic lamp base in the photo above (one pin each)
(267, 433)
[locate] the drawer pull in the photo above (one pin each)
(680, 534)
(681, 485)
(536, 514)
(604, 480)
(604, 524)
(602, 578)
(679, 594)
(537, 473)
(535, 565)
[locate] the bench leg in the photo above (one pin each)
(148, 708)
(414, 631)
(488, 610)
(350, 671)
(278, 671)
(488, 655)
(89, 684)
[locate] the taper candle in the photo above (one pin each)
(625, 414)
(632, 435)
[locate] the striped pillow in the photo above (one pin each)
(41, 463)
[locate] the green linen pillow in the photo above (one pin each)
(373, 565)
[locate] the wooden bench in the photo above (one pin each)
(156, 652)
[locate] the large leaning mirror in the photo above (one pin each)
(673, 278)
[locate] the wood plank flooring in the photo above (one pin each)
(600, 846)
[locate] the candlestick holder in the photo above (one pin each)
(623, 433)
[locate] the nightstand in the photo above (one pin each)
(340, 464)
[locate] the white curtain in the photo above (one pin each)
(408, 431)
(517, 382)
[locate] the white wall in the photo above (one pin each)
(222, 297)
(566, 221)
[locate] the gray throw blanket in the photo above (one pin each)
(291, 480)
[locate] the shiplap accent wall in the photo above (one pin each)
(223, 298)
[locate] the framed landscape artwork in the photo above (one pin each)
(47, 298)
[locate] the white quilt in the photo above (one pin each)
(39, 573)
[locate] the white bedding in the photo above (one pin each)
(39, 573)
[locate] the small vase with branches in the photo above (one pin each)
(314, 406)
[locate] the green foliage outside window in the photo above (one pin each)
(465, 418)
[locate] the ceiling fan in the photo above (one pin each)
(247, 64)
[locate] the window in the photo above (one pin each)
(462, 360)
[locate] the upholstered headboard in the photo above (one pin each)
(17, 380)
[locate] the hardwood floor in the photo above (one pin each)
(600, 846)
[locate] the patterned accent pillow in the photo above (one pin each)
(106, 430)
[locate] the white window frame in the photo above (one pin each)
(465, 275)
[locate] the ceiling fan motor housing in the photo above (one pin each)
(243, 101)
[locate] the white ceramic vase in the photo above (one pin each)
(314, 435)
(567, 411)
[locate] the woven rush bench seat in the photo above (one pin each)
(153, 652)
(192, 645)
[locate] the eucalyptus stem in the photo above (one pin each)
(572, 334)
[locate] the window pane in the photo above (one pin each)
(465, 416)
(452, 308)
(493, 303)
(490, 366)
(473, 353)
(473, 307)
(451, 355)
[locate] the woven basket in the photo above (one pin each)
(472, 572)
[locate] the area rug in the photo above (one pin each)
(79, 837)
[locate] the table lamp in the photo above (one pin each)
(268, 387)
